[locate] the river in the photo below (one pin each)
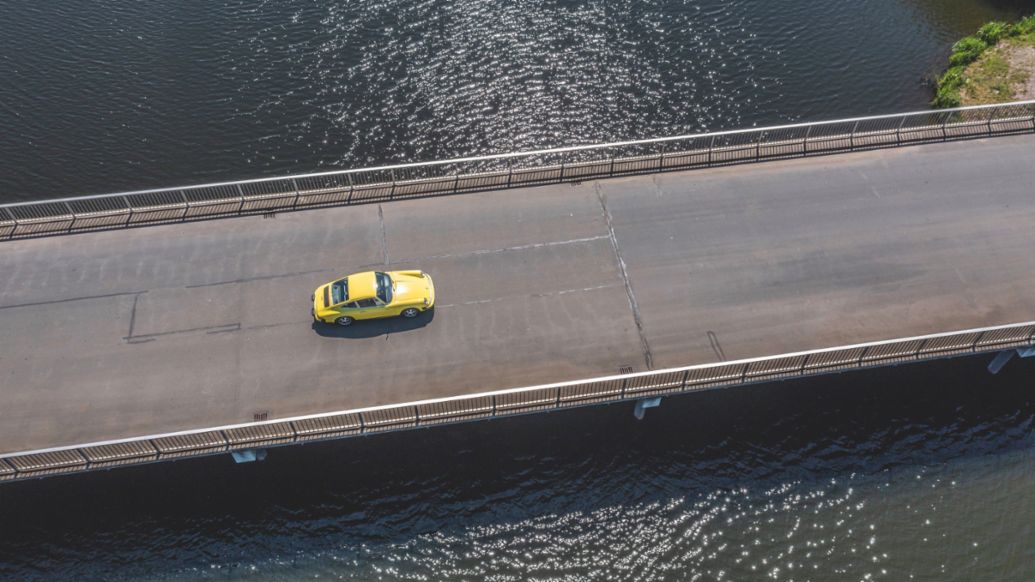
(111, 95)
(915, 472)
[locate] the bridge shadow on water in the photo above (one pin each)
(374, 327)
(355, 496)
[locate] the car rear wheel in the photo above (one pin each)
(410, 312)
(344, 321)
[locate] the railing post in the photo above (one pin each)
(494, 406)
(352, 188)
(240, 192)
(898, 131)
(416, 415)
(298, 194)
(13, 219)
(711, 147)
(945, 123)
(974, 344)
(991, 115)
(686, 376)
(611, 171)
(851, 137)
(920, 348)
(71, 225)
(510, 171)
(561, 178)
(805, 141)
(129, 207)
(758, 148)
(391, 193)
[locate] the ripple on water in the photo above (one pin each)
(918, 471)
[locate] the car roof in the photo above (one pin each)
(362, 286)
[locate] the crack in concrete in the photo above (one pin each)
(716, 346)
(384, 235)
(207, 329)
(133, 315)
(71, 299)
(647, 356)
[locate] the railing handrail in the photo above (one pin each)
(531, 153)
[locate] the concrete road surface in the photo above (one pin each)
(135, 332)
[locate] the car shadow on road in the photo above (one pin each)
(374, 327)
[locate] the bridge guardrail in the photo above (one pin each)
(344, 187)
(626, 387)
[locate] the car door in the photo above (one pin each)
(365, 309)
(350, 309)
(380, 309)
(386, 310)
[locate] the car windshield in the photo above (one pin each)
(384, 287)
(339, 291)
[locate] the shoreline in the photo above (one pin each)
(994, 65)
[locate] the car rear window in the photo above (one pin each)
(339, 291)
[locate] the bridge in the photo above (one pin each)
(569, 277)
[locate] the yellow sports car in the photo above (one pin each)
(373, 294)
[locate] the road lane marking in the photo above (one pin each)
(573, 241)
(536, 295)
(250, 279)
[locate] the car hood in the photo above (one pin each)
(412, 287)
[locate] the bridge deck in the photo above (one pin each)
(123, 333)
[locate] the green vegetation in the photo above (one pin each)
(992, 32)
(980, 69)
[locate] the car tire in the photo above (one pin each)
(410, 312)
(344, 321)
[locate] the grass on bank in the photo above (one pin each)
(979, 67)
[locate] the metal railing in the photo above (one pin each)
(504, 171)
(502, 403)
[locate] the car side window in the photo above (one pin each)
(366, 303)
(349, 305)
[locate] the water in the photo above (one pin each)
(921, 472)
(110, 95)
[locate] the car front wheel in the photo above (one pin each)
(344, 321)
(410, 312)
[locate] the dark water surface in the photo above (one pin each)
(921, 471)
(110, 95)
(924, 471)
